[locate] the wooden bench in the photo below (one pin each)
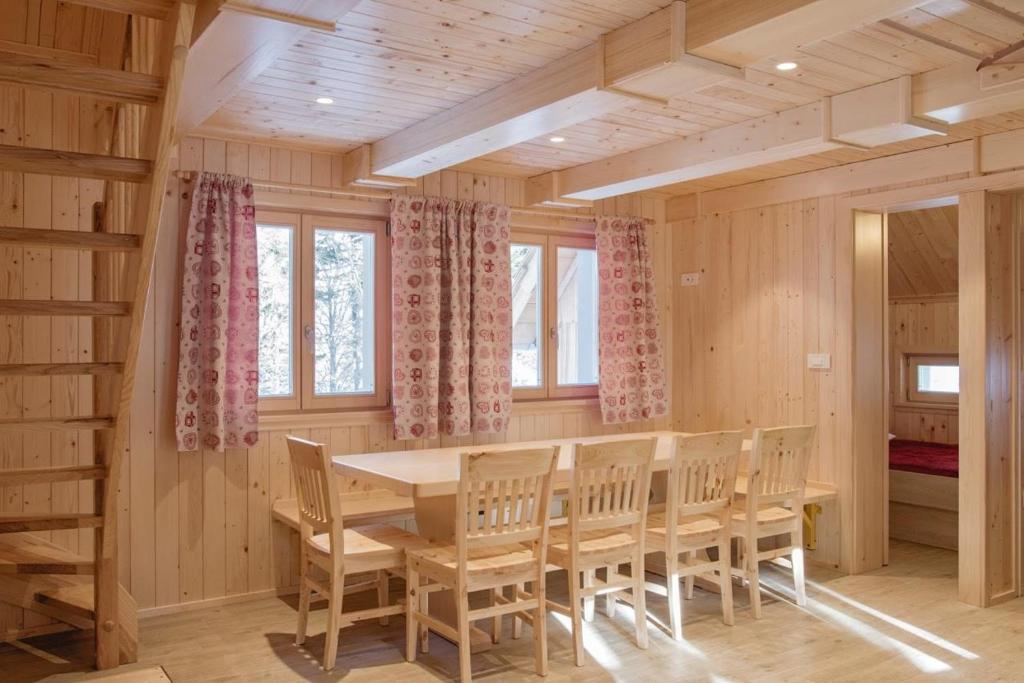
(358, 507)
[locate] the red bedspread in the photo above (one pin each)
(923, 457)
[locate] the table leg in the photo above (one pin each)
(435, 521)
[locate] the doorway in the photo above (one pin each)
(922, 369)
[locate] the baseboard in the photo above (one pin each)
(193, 605)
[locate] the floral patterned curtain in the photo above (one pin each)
(452, 315)
(632, 368)
(218, 368)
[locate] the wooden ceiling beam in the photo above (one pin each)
(676, 49)
(747, 31)
(231, 48)
(866, 117)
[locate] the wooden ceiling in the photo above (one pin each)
(923, 252)
(392, 63)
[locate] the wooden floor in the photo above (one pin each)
(899, 623)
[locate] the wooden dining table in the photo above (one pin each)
(430, 477)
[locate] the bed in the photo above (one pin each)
(923, 492)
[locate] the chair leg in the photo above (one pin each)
(540, 627)
(725, 580)
(689, 579)
(609, 598)
(575, 609)
(465, 644)
(675, 615)
(753, 577)
(640, 600)
(382, 593)
(495, 621)
(305, 592)
(589, 603)
(517, 623)
(334, 606)
(797, 557)
(424, 631)
(412, 601)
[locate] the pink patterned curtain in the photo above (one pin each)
(452, 331)
(218, 369)
(632, 369)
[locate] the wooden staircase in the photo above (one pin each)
(36, 574)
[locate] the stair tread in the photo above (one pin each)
(65, 76)
(54, 369)
(17, 522)
(72, 422)
(71, 239)
(52, 307)
(35, 475)
(21, 551)
(73, 164)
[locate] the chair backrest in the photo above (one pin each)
(702, 475)
(504, 498)
(778, 465)
(611, 484)
(318, 495)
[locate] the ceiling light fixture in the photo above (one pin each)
(556, 138)
(785, 66)
(324, 100)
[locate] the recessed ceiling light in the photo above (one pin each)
(324, 100)
(785, 66)
(556, 138)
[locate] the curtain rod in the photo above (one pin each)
(189, 176)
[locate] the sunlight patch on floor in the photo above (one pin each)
(923, 661)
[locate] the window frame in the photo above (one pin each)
(913, 362)
(293, 221)
(378, 398)
(550, 389)
(538, 392)
(908, 361)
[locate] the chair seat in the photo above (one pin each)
(765, 517)
(594, 543)
(440, 562)
(372, 543)
(698, 525)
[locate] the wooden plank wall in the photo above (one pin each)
(924, 325)
(198, 524)
(769, 294)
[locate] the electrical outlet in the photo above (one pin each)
(819, 361)
(689, 279)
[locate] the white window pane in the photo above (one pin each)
(275, 252)
(577, 316)
(943, 379)
(526, 315)
(343, 312)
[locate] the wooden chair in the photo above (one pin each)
(774, 505)
(501, 532)
(608, 496)
(697, 515)
(325, 544)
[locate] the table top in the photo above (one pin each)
(435, 471)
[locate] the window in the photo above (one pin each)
(931, 377)
(554, 289)
(322, 312)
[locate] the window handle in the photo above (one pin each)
(553, 334)
(310, 336)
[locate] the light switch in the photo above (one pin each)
(819, 361)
